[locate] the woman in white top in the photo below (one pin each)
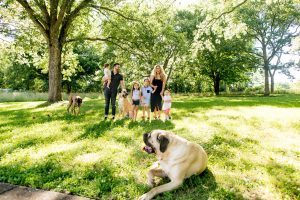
(167, 104)
(135, 96)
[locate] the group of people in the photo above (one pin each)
(149, 96)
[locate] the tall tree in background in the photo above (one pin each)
(282, 67)
(154, 41)
(55, 20)
(225, 60)
(273, 24)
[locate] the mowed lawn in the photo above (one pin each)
(253, 144)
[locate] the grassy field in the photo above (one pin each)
(253, 144)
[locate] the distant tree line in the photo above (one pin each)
(60, 46)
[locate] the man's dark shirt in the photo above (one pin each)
(115, 81)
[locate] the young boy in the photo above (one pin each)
(146, 95)
(107, 75)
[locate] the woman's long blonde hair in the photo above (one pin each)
(163, 75)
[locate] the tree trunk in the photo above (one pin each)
(69, 88)
(55, 76)
(266, 68)
(267, 86)
(170, 70)
(272, 83)
(217, 85)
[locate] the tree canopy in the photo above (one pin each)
(60, 46)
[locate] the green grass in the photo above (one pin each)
(252, 144)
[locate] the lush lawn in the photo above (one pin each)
(253, 145)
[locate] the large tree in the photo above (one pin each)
(273, 24)
(223, 59)
(55, 21)
(154, 41)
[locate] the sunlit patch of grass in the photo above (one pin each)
(39, 96)
(252, 145)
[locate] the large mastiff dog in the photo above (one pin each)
(177, 157)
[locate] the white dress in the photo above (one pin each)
(166, 105)
(107, 73)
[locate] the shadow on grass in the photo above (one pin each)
(151, 125)
(30, 116)
(99, 129)
(46, 174)
(200, 187)
(196, 187)
(43, 105)
(27, 142)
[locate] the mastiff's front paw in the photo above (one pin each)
(151, 182)
(145, 197)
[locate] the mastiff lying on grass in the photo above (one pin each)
(177, 157)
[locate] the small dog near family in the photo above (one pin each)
(178, 159)
(74, 103)
(125, 107)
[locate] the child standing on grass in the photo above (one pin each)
(146, 96)
(135, 96)
(167, 104)
(107, 75)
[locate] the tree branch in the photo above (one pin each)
(33, 17)
(70, 17)
(225, 13)
(89, 39)
(53, 10)
(114, 11)
(61, 14)
(41, 4)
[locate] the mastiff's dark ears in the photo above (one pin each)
(163, 141)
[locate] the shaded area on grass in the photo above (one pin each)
(59, 160)
(99, 129)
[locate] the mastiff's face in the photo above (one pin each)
(156, 141)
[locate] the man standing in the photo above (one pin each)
(110, 91)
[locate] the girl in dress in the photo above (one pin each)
(167, 104)
(135, 96)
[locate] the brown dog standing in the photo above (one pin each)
(74, 102)
(125, 107)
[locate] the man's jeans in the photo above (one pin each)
(110, 95)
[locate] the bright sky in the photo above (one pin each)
(185, 3)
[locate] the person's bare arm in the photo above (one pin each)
(153, 86)
(122, 82)
(163, 87)
(151, 80)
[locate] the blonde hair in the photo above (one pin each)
(135, 82)
(162, 75)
